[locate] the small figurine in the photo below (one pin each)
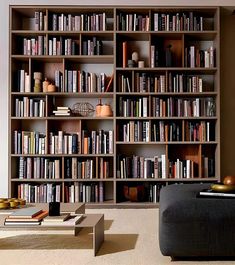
(45, 85)
(37, 81)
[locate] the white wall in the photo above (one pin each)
(4, 19)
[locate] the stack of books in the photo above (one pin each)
(26, 216)
(62, 111)
(65, 219)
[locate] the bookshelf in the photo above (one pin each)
(154, 70)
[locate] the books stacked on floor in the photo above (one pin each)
(65, 219)
(62, 111)
(26, 216)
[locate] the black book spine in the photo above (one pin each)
(99, 48)
(84, 48)
(68, 168)
(74, 144)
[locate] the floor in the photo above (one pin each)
(131, 238)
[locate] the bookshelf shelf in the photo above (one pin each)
(156, 68)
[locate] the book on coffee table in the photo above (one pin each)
(59, 218)
(210, 194)
(70, 221)
(36, 218)
(26, 213)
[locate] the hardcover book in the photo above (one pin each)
(26, 213)
(212, 194)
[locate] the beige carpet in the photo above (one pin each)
(131, 238)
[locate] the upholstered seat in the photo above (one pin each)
(191, 226)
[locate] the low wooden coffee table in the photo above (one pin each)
(94, 221)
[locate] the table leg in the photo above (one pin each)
(98, 235)
(77, 230)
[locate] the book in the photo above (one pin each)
(26, 213)
(61, 218)
(109, 83)
(21, 223)
(37, 218)
(124, 54)
(212, 194)
(71, 221)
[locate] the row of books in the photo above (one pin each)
(166, 131)
(60, 46)
(87, 169)
(141, 167)
(183, 169)
(195, 57)
(133, 22)
(64, 143)
(97, 142)
(129, 107)
(162, 131)
(82, 22)
(179, 107)
(199, 131)
(94, 142)
(79, 169)
(39, 168)
(80, 192)
(190, 169)
(26, 142)
(82, 81)
(154, 192)
(127, 22)
(45, 168)
(23, 81)
(43, 193)
(177, 22)
(92, 47)
(149, 82)
(144, 82)
(135, 131)
(40, 21)
(183, 83)
(88, 82)
(35, 46)
(129, 167)
(30, 107)
(170, 107)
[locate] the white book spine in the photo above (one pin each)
(145, 107)
(163, 158)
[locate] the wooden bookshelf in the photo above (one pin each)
(165, 100)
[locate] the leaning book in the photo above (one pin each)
(212, 194)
